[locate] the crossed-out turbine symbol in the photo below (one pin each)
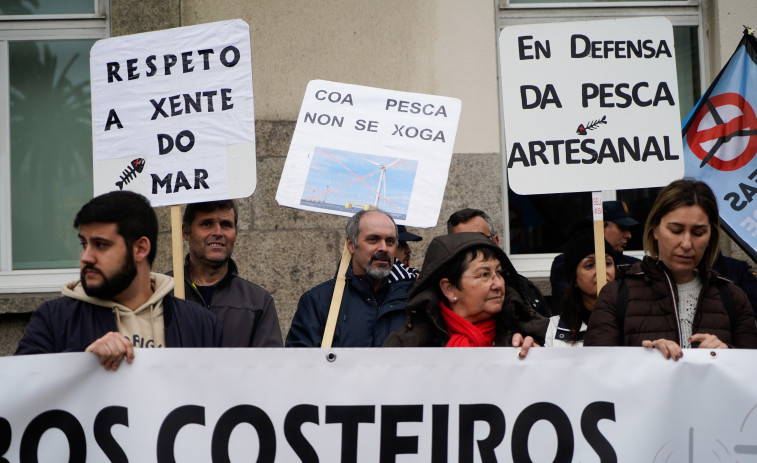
(692, 449)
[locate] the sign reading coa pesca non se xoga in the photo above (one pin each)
(360, 148)
(590, 106)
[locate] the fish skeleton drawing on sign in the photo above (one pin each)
(130, 173)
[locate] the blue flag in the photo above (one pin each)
(720, 143)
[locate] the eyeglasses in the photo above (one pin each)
(486, 277)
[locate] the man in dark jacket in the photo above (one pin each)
(211, 278)
(373, 304)
(118, 304)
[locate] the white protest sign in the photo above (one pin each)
(368, 405)
(590, 106)
(358, 147)
(173, 114)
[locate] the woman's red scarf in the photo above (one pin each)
(463, 333)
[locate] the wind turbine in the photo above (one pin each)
(382, 179)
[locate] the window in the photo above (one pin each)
(562, 2)
(45, 136)
(47, 7)
(536, 226)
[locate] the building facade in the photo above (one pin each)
(441, 47)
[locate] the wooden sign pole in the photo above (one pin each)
(177, 245)
(336, 300)
(599, 239)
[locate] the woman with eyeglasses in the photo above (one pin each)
(569, 327)
(458, 299)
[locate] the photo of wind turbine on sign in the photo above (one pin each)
(347, 181)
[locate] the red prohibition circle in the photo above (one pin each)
(746, 121)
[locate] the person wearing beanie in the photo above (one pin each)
(464, 297)
(569, 327)
(618, 225)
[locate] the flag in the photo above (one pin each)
(720, 143)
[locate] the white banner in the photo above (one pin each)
(376, 405)
(358, 147)
(173, 113)
(590, 106)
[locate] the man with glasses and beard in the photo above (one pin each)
(373, 305)
(118, 304)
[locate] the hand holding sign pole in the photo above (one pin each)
(590, 106)
(173, 117)
(361, 148)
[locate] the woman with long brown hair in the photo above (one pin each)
(673, 299)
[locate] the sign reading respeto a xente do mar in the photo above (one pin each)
(173, 114)
(590, 106)
(358, 148)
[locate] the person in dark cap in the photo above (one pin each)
(403, 250)
(401, 270)
(618, 223)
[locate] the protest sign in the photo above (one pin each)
(357, 148)
(590, 106)
(173, 115)
(366, 405)
(720, 143)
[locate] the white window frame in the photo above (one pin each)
(680, 13)
(35, 27)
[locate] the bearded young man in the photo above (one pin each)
(373, 304)
(118, 304)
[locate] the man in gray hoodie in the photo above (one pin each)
(118, 304)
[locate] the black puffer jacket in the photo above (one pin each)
(651, 310)
(425, 326)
